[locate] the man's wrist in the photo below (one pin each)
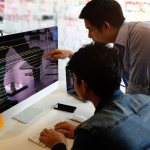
(59, 146)
(70, 54)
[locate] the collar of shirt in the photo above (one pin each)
(122, 34)
(104, 101)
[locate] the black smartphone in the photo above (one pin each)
(65, 107)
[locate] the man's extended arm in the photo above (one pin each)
(59, 146)
(59, 54)
(84, 140)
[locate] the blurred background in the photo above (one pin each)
(24, 15)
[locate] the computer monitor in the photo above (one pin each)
(25, 76)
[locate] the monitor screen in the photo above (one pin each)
(23, 70)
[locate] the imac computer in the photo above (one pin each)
(25, 76)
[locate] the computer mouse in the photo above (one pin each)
(78, 118)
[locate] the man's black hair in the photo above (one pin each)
(98, 11)
(99, 66)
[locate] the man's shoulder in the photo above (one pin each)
(145, 24)
(131, 103)
(138, 24)
(114, 113)
(139, 27)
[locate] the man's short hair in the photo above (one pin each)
(99, 66)
(98, 11)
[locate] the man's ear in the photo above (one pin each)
(84, 87)
(106, 26)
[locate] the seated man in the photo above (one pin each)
(119, 122)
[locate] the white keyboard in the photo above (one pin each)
(35, 137)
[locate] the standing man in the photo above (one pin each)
(105, 21)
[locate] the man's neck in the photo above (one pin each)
(94, 99)
(115, 34)
(116, 31)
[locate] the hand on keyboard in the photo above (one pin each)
(35, 137)
(51, 137)
(69, 127)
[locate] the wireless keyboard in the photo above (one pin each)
(35, 137)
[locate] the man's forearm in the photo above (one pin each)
(59, 146)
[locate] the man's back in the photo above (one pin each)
(134, 49)
(123, 124)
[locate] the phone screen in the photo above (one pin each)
(65, 107)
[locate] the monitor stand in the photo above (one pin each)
(28, 114)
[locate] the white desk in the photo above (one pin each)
(14, 135)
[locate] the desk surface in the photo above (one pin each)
(14, 135)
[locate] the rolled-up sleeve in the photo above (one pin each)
(137, 61)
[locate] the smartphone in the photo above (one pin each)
(65, 107)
